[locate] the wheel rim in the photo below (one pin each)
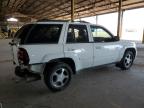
(128, 60)
(60, 78)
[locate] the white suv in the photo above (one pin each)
(58, 49)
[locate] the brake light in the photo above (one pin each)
(23, 57)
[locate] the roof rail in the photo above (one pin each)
(49, 20)
(82, 21)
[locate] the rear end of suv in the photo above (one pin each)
(34, 45)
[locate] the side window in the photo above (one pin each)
(100, 35)
(45, 33)
(77, 34)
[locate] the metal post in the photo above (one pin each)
(72, 10)
(96, 19)
(143, 37)
(2, 13)
(1, 5)
(120, 15)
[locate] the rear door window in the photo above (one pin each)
(77, 34)
(44, 33)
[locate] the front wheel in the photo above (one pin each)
(127, 60)
(58, 76)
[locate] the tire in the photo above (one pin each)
(58, 76)
(127, 60)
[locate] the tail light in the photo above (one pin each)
(23, 57)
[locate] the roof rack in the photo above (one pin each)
(82, 21)
(48, 20)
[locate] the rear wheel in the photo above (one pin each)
(58, 76)
(127, 60)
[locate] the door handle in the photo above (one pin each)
(71, 49)
(98, 47)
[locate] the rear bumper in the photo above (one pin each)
(24, 73)
(20, 72)
(37, 68)
(33, 68)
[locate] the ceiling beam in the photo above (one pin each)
(21, 4)
(14, 4)
(8, 3)
(111, 2)
(82, 8)
(62, 9)
(53, 6)
(104, 11)
(31, 4)
(18, 2)
(99, 10)
(50, 11)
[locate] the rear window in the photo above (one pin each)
(44, 33)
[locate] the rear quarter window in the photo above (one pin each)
(23, 32)
(44, 33)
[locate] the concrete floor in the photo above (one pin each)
(104, 87)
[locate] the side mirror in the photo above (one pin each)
(116, 38)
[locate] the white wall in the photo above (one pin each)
(109, 21)
(133, 25)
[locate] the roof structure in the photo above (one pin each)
(61, 9)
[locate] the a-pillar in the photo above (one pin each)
(143, 37)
